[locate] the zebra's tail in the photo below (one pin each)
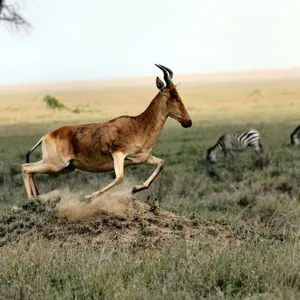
(32, 149)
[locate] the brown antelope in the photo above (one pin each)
(112, 145)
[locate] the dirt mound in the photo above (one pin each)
(122, 222)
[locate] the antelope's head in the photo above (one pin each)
(175, 107)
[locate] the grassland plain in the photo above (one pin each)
(217, 98)
(231, 233)
(257, 256)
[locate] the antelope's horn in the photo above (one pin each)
(169, 70)
(166, 75)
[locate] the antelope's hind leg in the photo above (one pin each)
(27, 178)
(33, 186)
(29, 169)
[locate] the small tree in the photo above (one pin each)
(9, 14)
(53, 103)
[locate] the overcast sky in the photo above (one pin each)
(90, 39)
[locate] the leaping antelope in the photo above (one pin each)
(112, 145)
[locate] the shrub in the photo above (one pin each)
(53, 103)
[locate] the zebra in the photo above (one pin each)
(238, 141)
(295, 136)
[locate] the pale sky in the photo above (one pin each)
(91, 39)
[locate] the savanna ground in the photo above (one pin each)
(231, 232)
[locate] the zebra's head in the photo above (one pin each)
(294, 141)
(211, 155)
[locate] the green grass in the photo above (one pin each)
(257, 201)
(179, 271)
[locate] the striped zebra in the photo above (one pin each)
(238, 141)
(295, 136)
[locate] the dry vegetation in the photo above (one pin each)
(229, 233)
(218, 98)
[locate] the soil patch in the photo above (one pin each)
(125, 222)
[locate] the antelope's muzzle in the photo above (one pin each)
(187, 124)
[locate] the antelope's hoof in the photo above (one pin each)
(134, 190)
(87, 197)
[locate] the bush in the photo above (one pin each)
(53, 103)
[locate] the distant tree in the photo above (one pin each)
(9, 14)
(53, 103)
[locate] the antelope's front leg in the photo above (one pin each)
(118, 159)
(153, 161)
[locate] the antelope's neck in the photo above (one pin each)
(153, 119)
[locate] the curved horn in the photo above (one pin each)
(166, 75)
(169, 70)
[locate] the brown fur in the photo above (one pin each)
(112, 145)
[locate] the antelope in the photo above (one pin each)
(111, 145)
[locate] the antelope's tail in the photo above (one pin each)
(32, 149)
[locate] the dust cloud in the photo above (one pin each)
(116, 202)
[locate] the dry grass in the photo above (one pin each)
(250, 96)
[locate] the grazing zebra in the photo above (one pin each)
(237, 141)
(295, 136)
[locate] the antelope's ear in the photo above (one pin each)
(160, 85)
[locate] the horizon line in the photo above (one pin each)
(229, 72)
